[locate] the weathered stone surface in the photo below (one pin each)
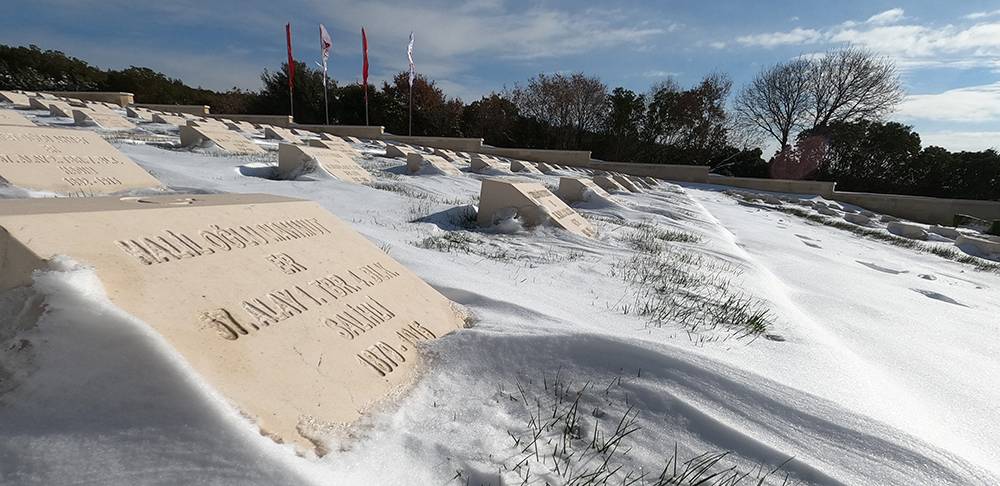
(72, 162)
(533, 203)
(60, 109)
(572, 189)
(608, 184)
(479, 164)
(11, 117)
(139, 113)
(543, 167)
(38, 103)
(207, 123)
(294, 317)
(283, 134)
(227, 140)
(400, 151)
(651, 181)
(333, 144)
(983, 246)
(858, 219)
(415, 162)
(239, 125)
(945, 231)
(294, 160)
(18, 99)
(178, 120)
(521, 166)
(827, 211)
(105, 120)
(626, 183)
(907, 230)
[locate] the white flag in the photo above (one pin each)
(409, 55)
(324, 44)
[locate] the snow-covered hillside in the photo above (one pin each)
(695, 329)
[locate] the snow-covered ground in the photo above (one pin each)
(868, 363)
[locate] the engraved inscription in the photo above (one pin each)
(174, 246)
(285, 263)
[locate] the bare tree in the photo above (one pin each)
(852, 84)
(574, 103)
(777, 100)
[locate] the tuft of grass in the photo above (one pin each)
(581, 434)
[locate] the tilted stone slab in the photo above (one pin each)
(626, 183)
(479, 164)
(416, 161)
(207, 123)
(11, 117)
(520, 166)
(227, 140)
(60, 108)
(639, 182)
(533, 203)
(352, 139)
(297, 159)
(338, 144)
(296, 319)
(18, 99)
(38, 103)
(400, 151)
(985, 246)
(572, 189)
(240, 125)
(608, 183)
(180, 121)
(543, 167)
(446, 154)
(107, 121)
(140, 113)
(72, 162)
(651, 181)
(283, 134)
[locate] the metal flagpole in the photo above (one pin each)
(326, 103)
(411, 109)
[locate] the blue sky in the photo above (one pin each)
(948, 52)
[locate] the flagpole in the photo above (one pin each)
(411, 109)
(326, 104)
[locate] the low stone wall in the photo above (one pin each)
(115, 97)
(930, 210)
(276, 120)
(200, 110)
(576, 158)
(825, 189)
(360, 131)
(685, 173)
(451, 143)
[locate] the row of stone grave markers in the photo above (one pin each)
(297, 319)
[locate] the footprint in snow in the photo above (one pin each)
(812, 245)
(938, 296)
(882, 269)
(804, 237)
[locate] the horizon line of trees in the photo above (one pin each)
(827, 113)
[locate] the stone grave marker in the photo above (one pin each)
(446, 154)
(543, 167)
(297, 159)
(207, 123)
(169, 119)
(352, 140)
(227, 140)
(71, 162)
(651, 181)
(639, 182)
(479, 164)
(298, 320)
(138, 112)
(239, 125)
(37, 103)
(11, 117)
(18, 99)
(521, 166)
(107, 121)
(625, 182)
(572, 189)
(608, 184)
(416, 161)
(400, 151)
(338, 144)
(60, 108)
(282, 134)
(533, 203)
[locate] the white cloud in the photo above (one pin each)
(973, 104)
(983, 15)
(796, 36)
(890, 16)
(717, 45)
(659, 74)
(959, 141)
